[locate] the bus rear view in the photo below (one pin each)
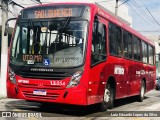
(47, 54)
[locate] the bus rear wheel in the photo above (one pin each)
(108, 98)
(142, 92)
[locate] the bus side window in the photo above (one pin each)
(130, 46)
(144, 52)
(115, 42)
(98, 43)
(127, 45)
(136, 49)
(151, 54)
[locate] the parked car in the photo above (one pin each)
(157, 77)
(158, 84)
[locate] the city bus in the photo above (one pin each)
(77, 54)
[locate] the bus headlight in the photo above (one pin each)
(75, 80)
(12, 76)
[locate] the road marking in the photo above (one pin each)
(153, 107)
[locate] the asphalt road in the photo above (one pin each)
(149, 109)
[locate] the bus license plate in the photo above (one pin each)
(39, 92)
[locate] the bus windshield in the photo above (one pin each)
(53, 43)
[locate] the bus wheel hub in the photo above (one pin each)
(106, 95)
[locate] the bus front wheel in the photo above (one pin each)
(108, 98)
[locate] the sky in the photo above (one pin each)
(145, 13)
(142, 20)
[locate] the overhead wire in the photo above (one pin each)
(36, 1)
(138, 11)
(150, 31)
(143, 12)
(139, 15)
(32, 3)
(123, 2)
(11, 12)
(150, 21)
(150, 13)
(104, 1)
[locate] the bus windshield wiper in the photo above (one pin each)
(30, 22)
(66, 22)
(59, 34)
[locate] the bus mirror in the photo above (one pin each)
(7, 26)
(6, 29)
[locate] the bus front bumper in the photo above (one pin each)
(74, 95)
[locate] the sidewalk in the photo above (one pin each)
(2, 97)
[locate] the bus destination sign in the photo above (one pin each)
(53, 12)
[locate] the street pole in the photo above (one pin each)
(116, 8)
(4, 48)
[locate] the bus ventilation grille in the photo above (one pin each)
(44, 75)
(49, 96)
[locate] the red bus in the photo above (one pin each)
(74, 53)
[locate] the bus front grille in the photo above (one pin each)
(49, 96)
(44, 86)
(44, 75)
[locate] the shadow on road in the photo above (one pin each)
(51, 109)
(124, 101)
(61, 110)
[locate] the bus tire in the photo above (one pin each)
(108, 98)
(142, 92)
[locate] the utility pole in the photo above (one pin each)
(4, 48)
(116, 8)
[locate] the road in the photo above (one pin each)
(150, 106)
